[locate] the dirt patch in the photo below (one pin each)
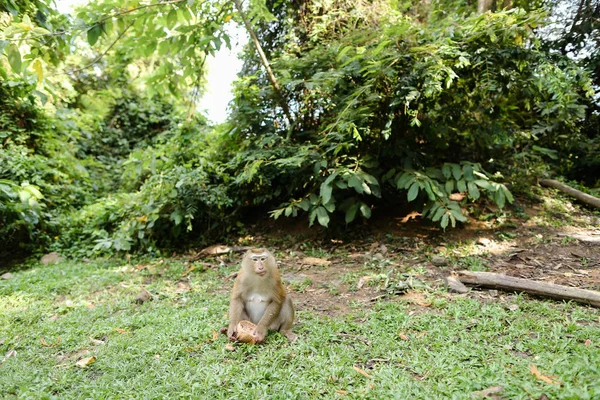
(326, 272)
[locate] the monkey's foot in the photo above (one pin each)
(291, 336)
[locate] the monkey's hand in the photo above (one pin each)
(232, 332)
(260, 333)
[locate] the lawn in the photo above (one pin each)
(75, 330)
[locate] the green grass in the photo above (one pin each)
(164, 348)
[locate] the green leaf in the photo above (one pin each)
(37, 67)
(499, 198)
(484, 184)
(468, 172)
(438, 214)
(449, 186)
(327, 188)
(473, 191)
(456, 171)
(3, 44)
(172, 18)
(404, 180)
(461, 186)
(355, 183)
(365, 210)
(413, 191)
(444, 221)
(351, 213)
(322, 216)
(14, 58)
(94, 33)
(446, 171)
(507, 193)
(304, 204)
(176, 217)
(429, 191)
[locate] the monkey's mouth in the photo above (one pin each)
(261, 273)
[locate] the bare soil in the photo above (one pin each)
(394, 255)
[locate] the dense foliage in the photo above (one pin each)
(389, 103)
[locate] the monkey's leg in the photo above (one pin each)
(286, 320)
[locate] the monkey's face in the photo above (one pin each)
(259, 263)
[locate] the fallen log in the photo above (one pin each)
(584, 197)
(509, 283)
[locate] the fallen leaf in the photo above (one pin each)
(513, 307)
(229, 347)
(342, 392)
(53, 318)
(121, 330)
(6, 276)
(215, 335)
(90, 306)
(85, 362)
(548, 379)
(316, 261)
(402, 336)
(587, 342)
(45, 344)
(360, 371)
(486, 392)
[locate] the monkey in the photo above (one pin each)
(259, 297)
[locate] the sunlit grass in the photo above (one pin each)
(165, 348)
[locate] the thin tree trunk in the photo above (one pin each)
(509, 283)
(484, 5)
(584, 197)
(265, 62)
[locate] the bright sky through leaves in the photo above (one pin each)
(222, 69)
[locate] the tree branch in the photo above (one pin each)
(265, 62)
(100, 56)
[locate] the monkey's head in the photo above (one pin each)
(259, 261)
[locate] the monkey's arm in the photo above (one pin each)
(236, 309)
(271, 313)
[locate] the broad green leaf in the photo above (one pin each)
(444, 221)
(37, 67)
(507, 193)
(94, 33)
(438, 214)
(449, 186)
(473, 191)
(404, 180)
(468, 172)
(327, 188)
(446, 171)
(484, 184)
(499, 198)
(461, 186)
(176, 217)
(172, 18)
(304, 204)
(14, 58)
(351, 213)
(365, 210)
(355, 183)
(456, 171)
(413, 191)
(322, 216)
(429, 191)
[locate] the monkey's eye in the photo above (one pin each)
(263, 258)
